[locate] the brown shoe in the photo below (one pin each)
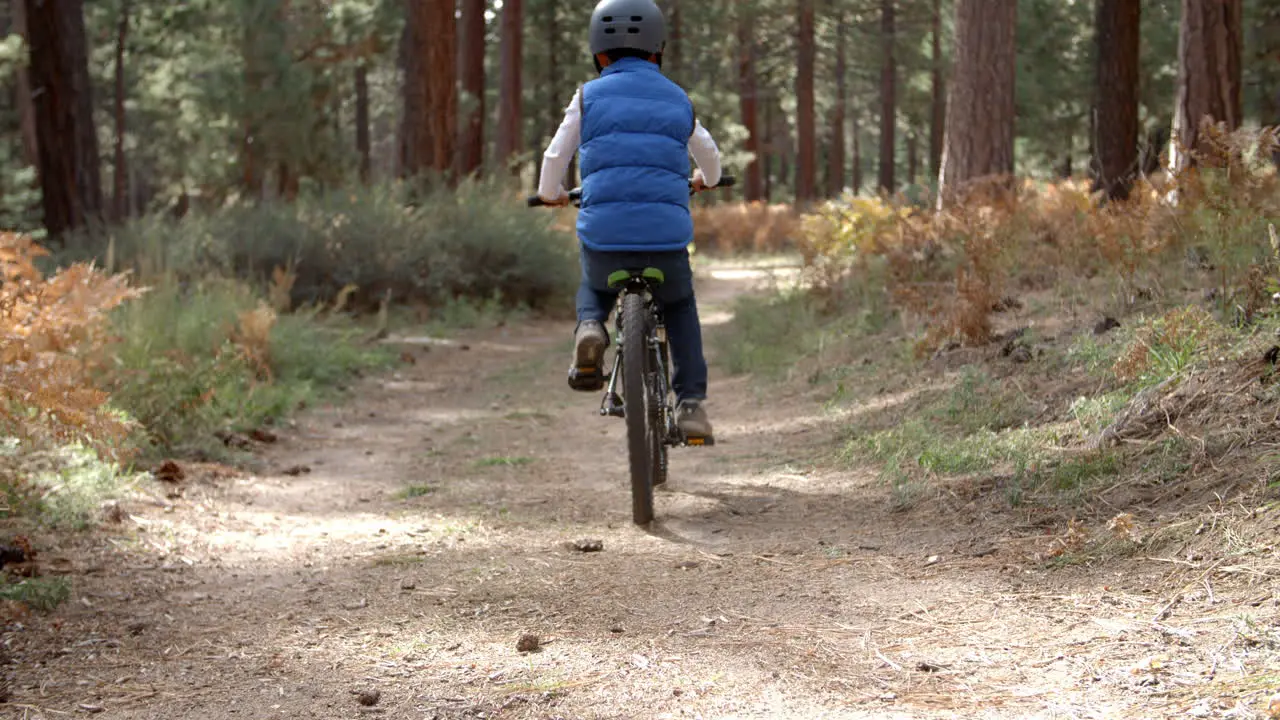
(589, 343)
(692, 420)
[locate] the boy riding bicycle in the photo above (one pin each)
(634, 130)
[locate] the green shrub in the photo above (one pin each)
(41, 594)
(474, 242)
(61, 488)
(196, 360)
(769, 333)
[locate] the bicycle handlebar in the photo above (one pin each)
(575, 195)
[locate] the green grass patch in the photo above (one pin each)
(503, 462)
(62, 488)
(978, 402)
(769, 333)
(190, 362)
(1093, 355)
(915, 450)
(917, 443)
(1076, 475)
(1170, 459)
(43, 594)
(402, 559)
(416, 491)
(1093, 414)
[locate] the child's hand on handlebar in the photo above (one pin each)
(699, 181)
(560, 200)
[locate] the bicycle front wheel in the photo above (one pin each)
(634, 341)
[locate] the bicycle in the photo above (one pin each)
(642, 360)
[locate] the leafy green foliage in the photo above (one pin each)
(193, 362)
(432, 250)
(768, 333)
(40, 594)
(62, 488)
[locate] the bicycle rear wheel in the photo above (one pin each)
(634, 351)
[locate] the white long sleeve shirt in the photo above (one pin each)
(555, 161)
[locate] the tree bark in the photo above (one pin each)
(1067, 168)
(836, 153)
(937, 93)
(63, 99)
(120, 184)
(432, 62)
(471, 56)
(767, 160)
(673, 55)
(1118, 30)
(556, 108)
(1268, 64)
(856, 177)
(510, 104)
(888, 96)
(26, 110)
(411, 144)
(805, 111)
(748, 98)
(913, 157)
(1209, 81)
(980, 106)
(363, 145)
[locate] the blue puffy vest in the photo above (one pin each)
(634, 156)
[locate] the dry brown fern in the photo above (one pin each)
(52, 333)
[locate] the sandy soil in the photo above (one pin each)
(433, 528)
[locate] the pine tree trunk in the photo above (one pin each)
(1118, 43)
(836, 153)
(26, 110)
(471, 56)
(673, 55)
(1209, 80)
(767, 159)
(510, 103)
(1066, 169)
(888, 97)
(980, 106)
(937, 93)
(1268, 68)
(856, 177)
(437, 30)
(63, 99)
(913, 157)
(805, 111)
(556, 108)
(748, 92)
(120, 184)
(411, 145)
(363, 144)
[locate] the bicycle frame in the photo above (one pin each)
(614, 405)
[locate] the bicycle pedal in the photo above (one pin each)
(699, 441)
(586, 379)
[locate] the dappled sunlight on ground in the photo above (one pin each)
(435, 524)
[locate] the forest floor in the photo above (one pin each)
(402, 544)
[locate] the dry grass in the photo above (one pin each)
(734, 228)
(950, 271)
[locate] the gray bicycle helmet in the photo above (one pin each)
(630, 24)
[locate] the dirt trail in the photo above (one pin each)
(432, 531)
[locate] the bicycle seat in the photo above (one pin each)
(650, 276)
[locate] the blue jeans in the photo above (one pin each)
(679, 308)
